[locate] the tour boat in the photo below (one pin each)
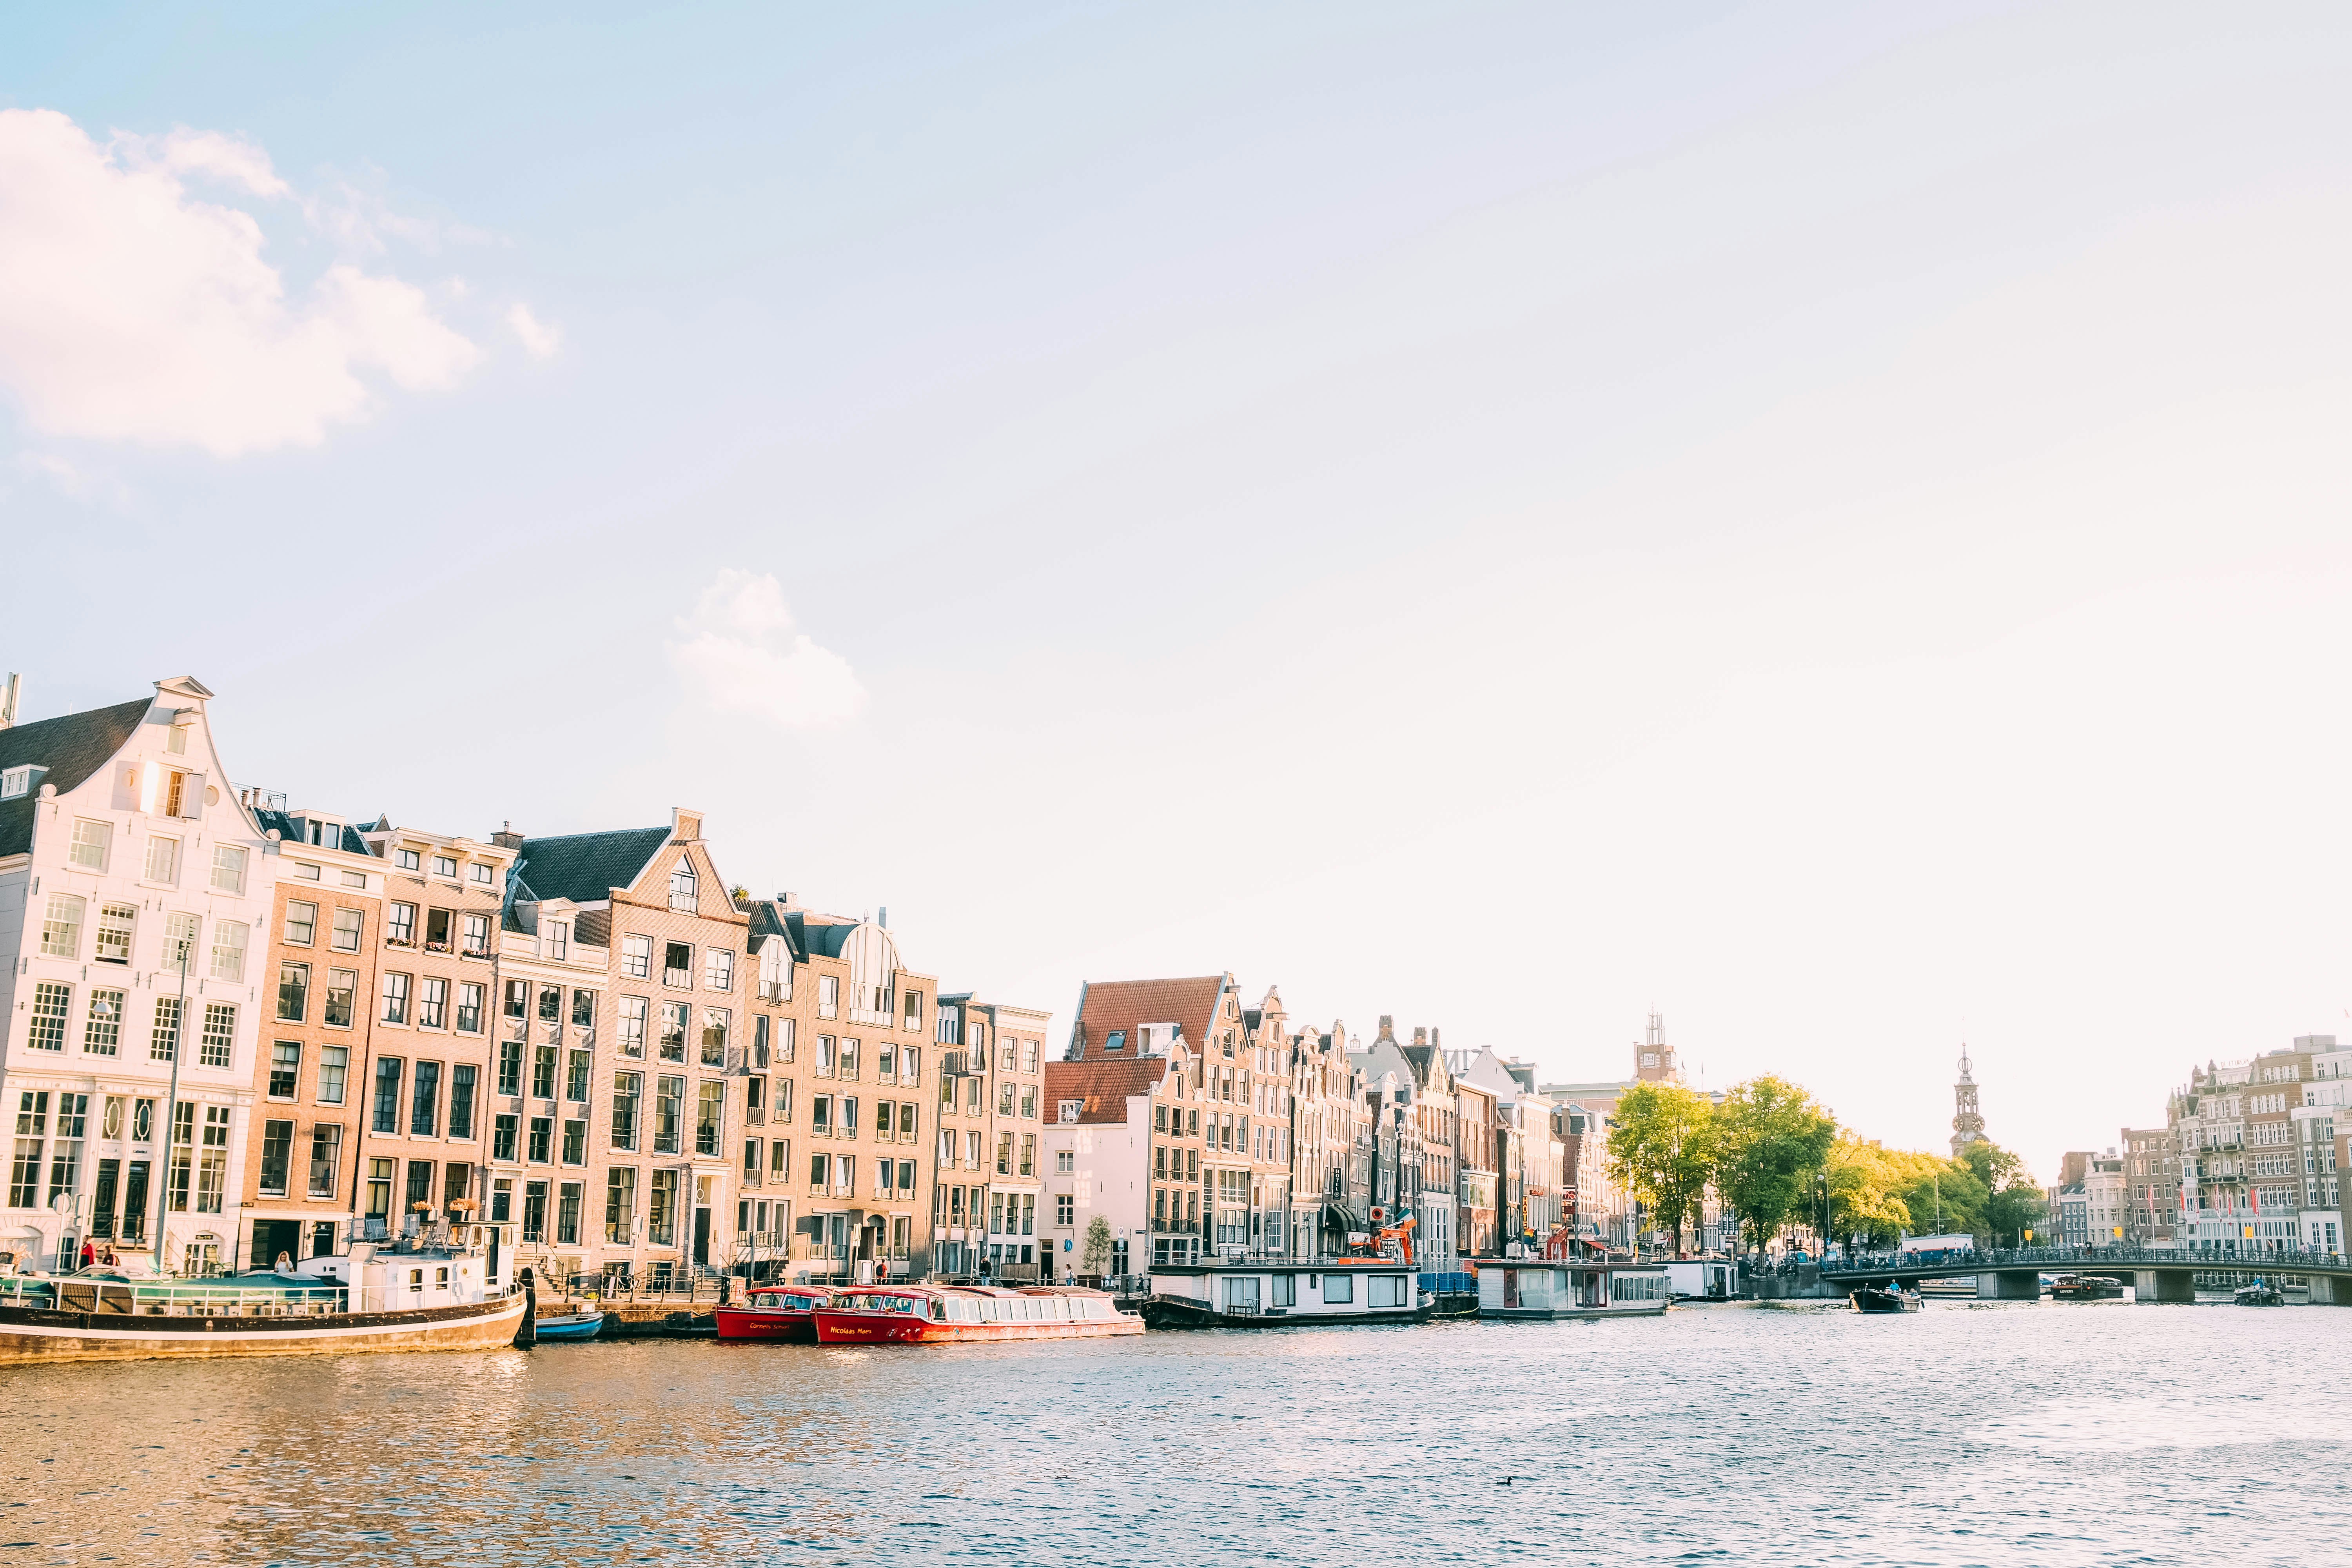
(1267, 1293)
(783, 1312)
(2259, 1295)
(1885, 1299)
(2085, 1287)
(1569, 1287)
(937, 1314)
(366, 1300)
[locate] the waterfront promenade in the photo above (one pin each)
(1967, 1434)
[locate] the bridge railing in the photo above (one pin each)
(2293, 1259)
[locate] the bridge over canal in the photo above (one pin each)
(2015, 1274)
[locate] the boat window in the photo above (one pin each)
(1387, 1290)
(938, 1311)
(1338, 1287)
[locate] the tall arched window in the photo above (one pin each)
(682, 888)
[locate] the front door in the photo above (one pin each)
(272, 1236)
(701, 1236)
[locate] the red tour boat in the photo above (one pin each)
(934, 1314)
(775, 1312)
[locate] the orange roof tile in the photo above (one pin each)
(1190, 1004)
(1104, 1084)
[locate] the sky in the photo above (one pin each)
(1828, 522)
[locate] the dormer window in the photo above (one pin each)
(483, 873)
(1071, 1109)
(559, 940)
(446, 866)
(682, 890)
(1116, 1040)
(15, 781)
(407, 859)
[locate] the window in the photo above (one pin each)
(550, 1004)
(755, 1160)
(101, 1034)
(432, 1004)
(469, 1007)
(848, 1059)
(775, 971)
(682, 892)
(342, 986)
(626, 1087)
(718, 969)
(408, 859)
(558, 937)
(678, 963)
(164, 1040)
(220, 1034)
(715, 1022)
(632, 1027)
(1028, 1154)
(356, 878)
(334, 1064)
(669, 1115)
(1005, 1098)
(346, 937)
(821, 1115)
(1065, 1210)
(504, 1126)
(575, 1142)
(478, 936)
(395, 998)
(535, 1211)
(543, 1072)
(92, 840)
(228, 868)
(446, 866)
(228, 950)
(285, 1068)
(403, 925)
(1338, 1287)
(661, 1210)
(180, 934)
(509, 1066)
(782, 1107)
(1028, 1102)
(827, 1053)
(828, 997)
(1028, 1055)
(326, 1159)
(638, 957)
(277, 1155)
(306, 871)
(386, 1110)
(518, 999)
(708, 1108)
(583, 1007)
(1384, 1290)
(163, 860)
(567, 1214)
(462, 1078)
(52, 1001)
(575, 1076)
(114, 927)
(1065, 1163)
(676, 1016)
(542, 1140)
(1004, 1153)
(424, 1101)
(621, 1204)
(785, 1034)
(61, 931)
(481, 872)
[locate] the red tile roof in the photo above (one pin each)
(1190, 1004)
(1103, 1085)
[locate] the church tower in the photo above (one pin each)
(1967, 1122)
(1653, 1059)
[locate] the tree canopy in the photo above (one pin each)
(1662, 1149)
(1771, 1137)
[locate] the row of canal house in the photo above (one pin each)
(273, 1030)
(1195, 1125)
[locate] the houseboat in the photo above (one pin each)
(1267, 1293)
(1573, 1287)
(417, 1301)
(941, 1314)
(781, 1312)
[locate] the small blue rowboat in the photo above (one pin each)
(576, 1326)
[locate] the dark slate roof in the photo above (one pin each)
(586, 866)
(352, 843)
(72, 747)
(825, 939)
(771, 918)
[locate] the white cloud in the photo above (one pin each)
(131, 310)
(740, 654)
(537, 337)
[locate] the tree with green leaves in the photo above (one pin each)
(1770, 1139)
(1095, 1257)
(1661, 1150)
(1865, 1186)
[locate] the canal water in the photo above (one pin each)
(1803, 1434)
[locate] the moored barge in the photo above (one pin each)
(1267, 1293)
(1561, 1289)
(399, 1301)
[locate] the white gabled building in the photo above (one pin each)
(122, 850)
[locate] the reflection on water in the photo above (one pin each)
(2087, 1433)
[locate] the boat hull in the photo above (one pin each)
(775, 1328)
(1574, 1314)
(1181, 1312)
(30, 1334)
(904, 1329)
(559, 1330)
(1869, 1300)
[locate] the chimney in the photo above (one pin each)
(785, 901)
(1420, 1036)
(1433, 1037)
(883, 917)
(10, 695)
(1388, 1028)
(684, 823)
(506, 837)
